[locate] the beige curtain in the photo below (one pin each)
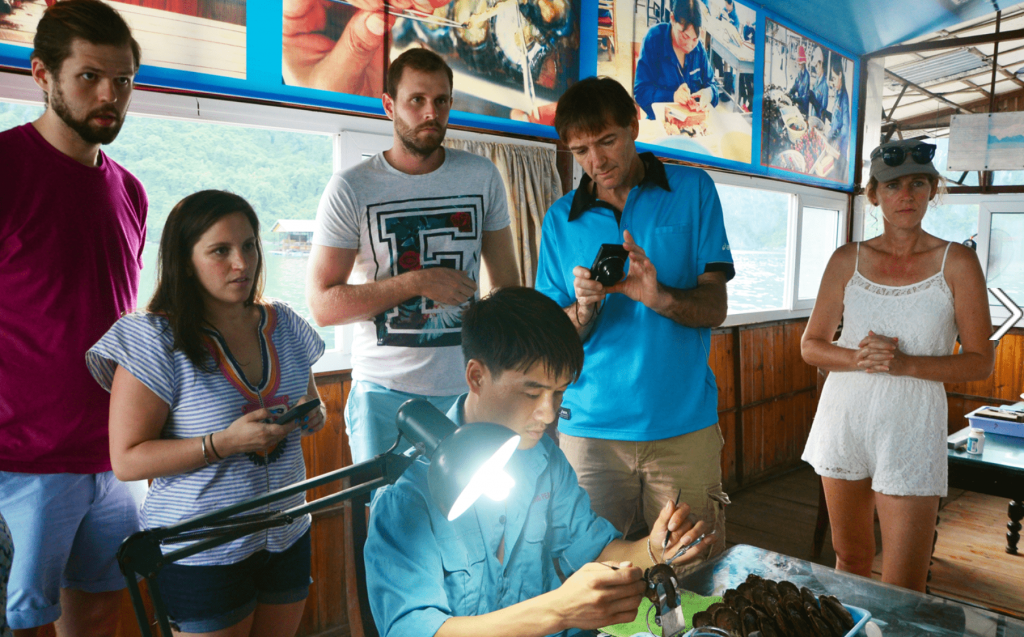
(531, 186)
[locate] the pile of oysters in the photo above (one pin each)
(776, 609)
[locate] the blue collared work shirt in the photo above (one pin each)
(659, 74)
(840, 133)
(422, 569)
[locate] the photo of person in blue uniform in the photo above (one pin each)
(674, 65)
(728, 13)
(818, 96)
(806, 107)
(839, 133)
(802, 83)
(491, 571)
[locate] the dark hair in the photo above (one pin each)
(687, 12)
(421, 60)
(836, 66)
(90, 20)
(177, 294)
(515, 327)
(590, 105)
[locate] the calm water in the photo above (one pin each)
(760, 281)
(758, 285)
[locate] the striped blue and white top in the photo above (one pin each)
(206, 402)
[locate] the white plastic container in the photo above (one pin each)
(976, 441)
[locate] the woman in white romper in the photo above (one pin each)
(878, 438)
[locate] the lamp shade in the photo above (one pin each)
(465, 462)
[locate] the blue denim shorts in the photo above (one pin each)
(66, 529)
(204, 599)
(370, 411)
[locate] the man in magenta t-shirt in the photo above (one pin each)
(72, 230)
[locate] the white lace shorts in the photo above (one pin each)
(892, 430)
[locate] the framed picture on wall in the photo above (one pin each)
(510, 59)
(806, 108)
(202, 36)
(689, 64)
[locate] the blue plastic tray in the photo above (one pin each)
(996, 426)
(860, 617)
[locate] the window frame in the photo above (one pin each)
(801, 196)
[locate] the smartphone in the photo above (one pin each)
(609, 264)
(297, 412)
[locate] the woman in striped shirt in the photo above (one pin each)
(193, 383)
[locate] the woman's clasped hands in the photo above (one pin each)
(878, 354)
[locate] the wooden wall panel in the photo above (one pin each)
(1004, 386)
(721, 363)
(324, 452)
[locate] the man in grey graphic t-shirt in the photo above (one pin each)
(397, 251)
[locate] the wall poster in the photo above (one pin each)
(806, 108)
(987, 141)
(689, 64)
(511, 59)
(202, 36)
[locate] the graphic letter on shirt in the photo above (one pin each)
(433, 232)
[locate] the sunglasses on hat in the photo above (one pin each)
(896, 155)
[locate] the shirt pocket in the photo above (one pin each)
(462, 560)
(535, 529)
(671, 252)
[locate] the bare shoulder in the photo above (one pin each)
(843, 261)
(963, 269)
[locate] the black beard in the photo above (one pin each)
(415, 147)
(88, 134)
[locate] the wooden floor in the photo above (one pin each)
(970, 563)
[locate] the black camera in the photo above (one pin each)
(610, 264)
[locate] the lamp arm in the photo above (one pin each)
(140, 554)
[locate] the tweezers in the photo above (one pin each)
(689, 546)
(413, 14)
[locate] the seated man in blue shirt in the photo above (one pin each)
(491, 571)
(674, 64)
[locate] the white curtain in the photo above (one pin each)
(531, 186)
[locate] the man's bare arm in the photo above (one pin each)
(703, 306)
(499, 255)
(333, 301)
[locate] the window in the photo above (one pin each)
(782, 236)
(1001, 250)
(819, 237)
(756, 223)
(280, 173)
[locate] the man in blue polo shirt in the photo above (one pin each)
(640, 425)
(674, 64)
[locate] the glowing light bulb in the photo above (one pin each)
(489, 478)
(497, 485)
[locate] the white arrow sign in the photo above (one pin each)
(1015, 313)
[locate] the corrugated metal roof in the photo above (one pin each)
(943, 67)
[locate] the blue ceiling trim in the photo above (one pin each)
(865, 26)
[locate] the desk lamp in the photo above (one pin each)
(466, 462)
